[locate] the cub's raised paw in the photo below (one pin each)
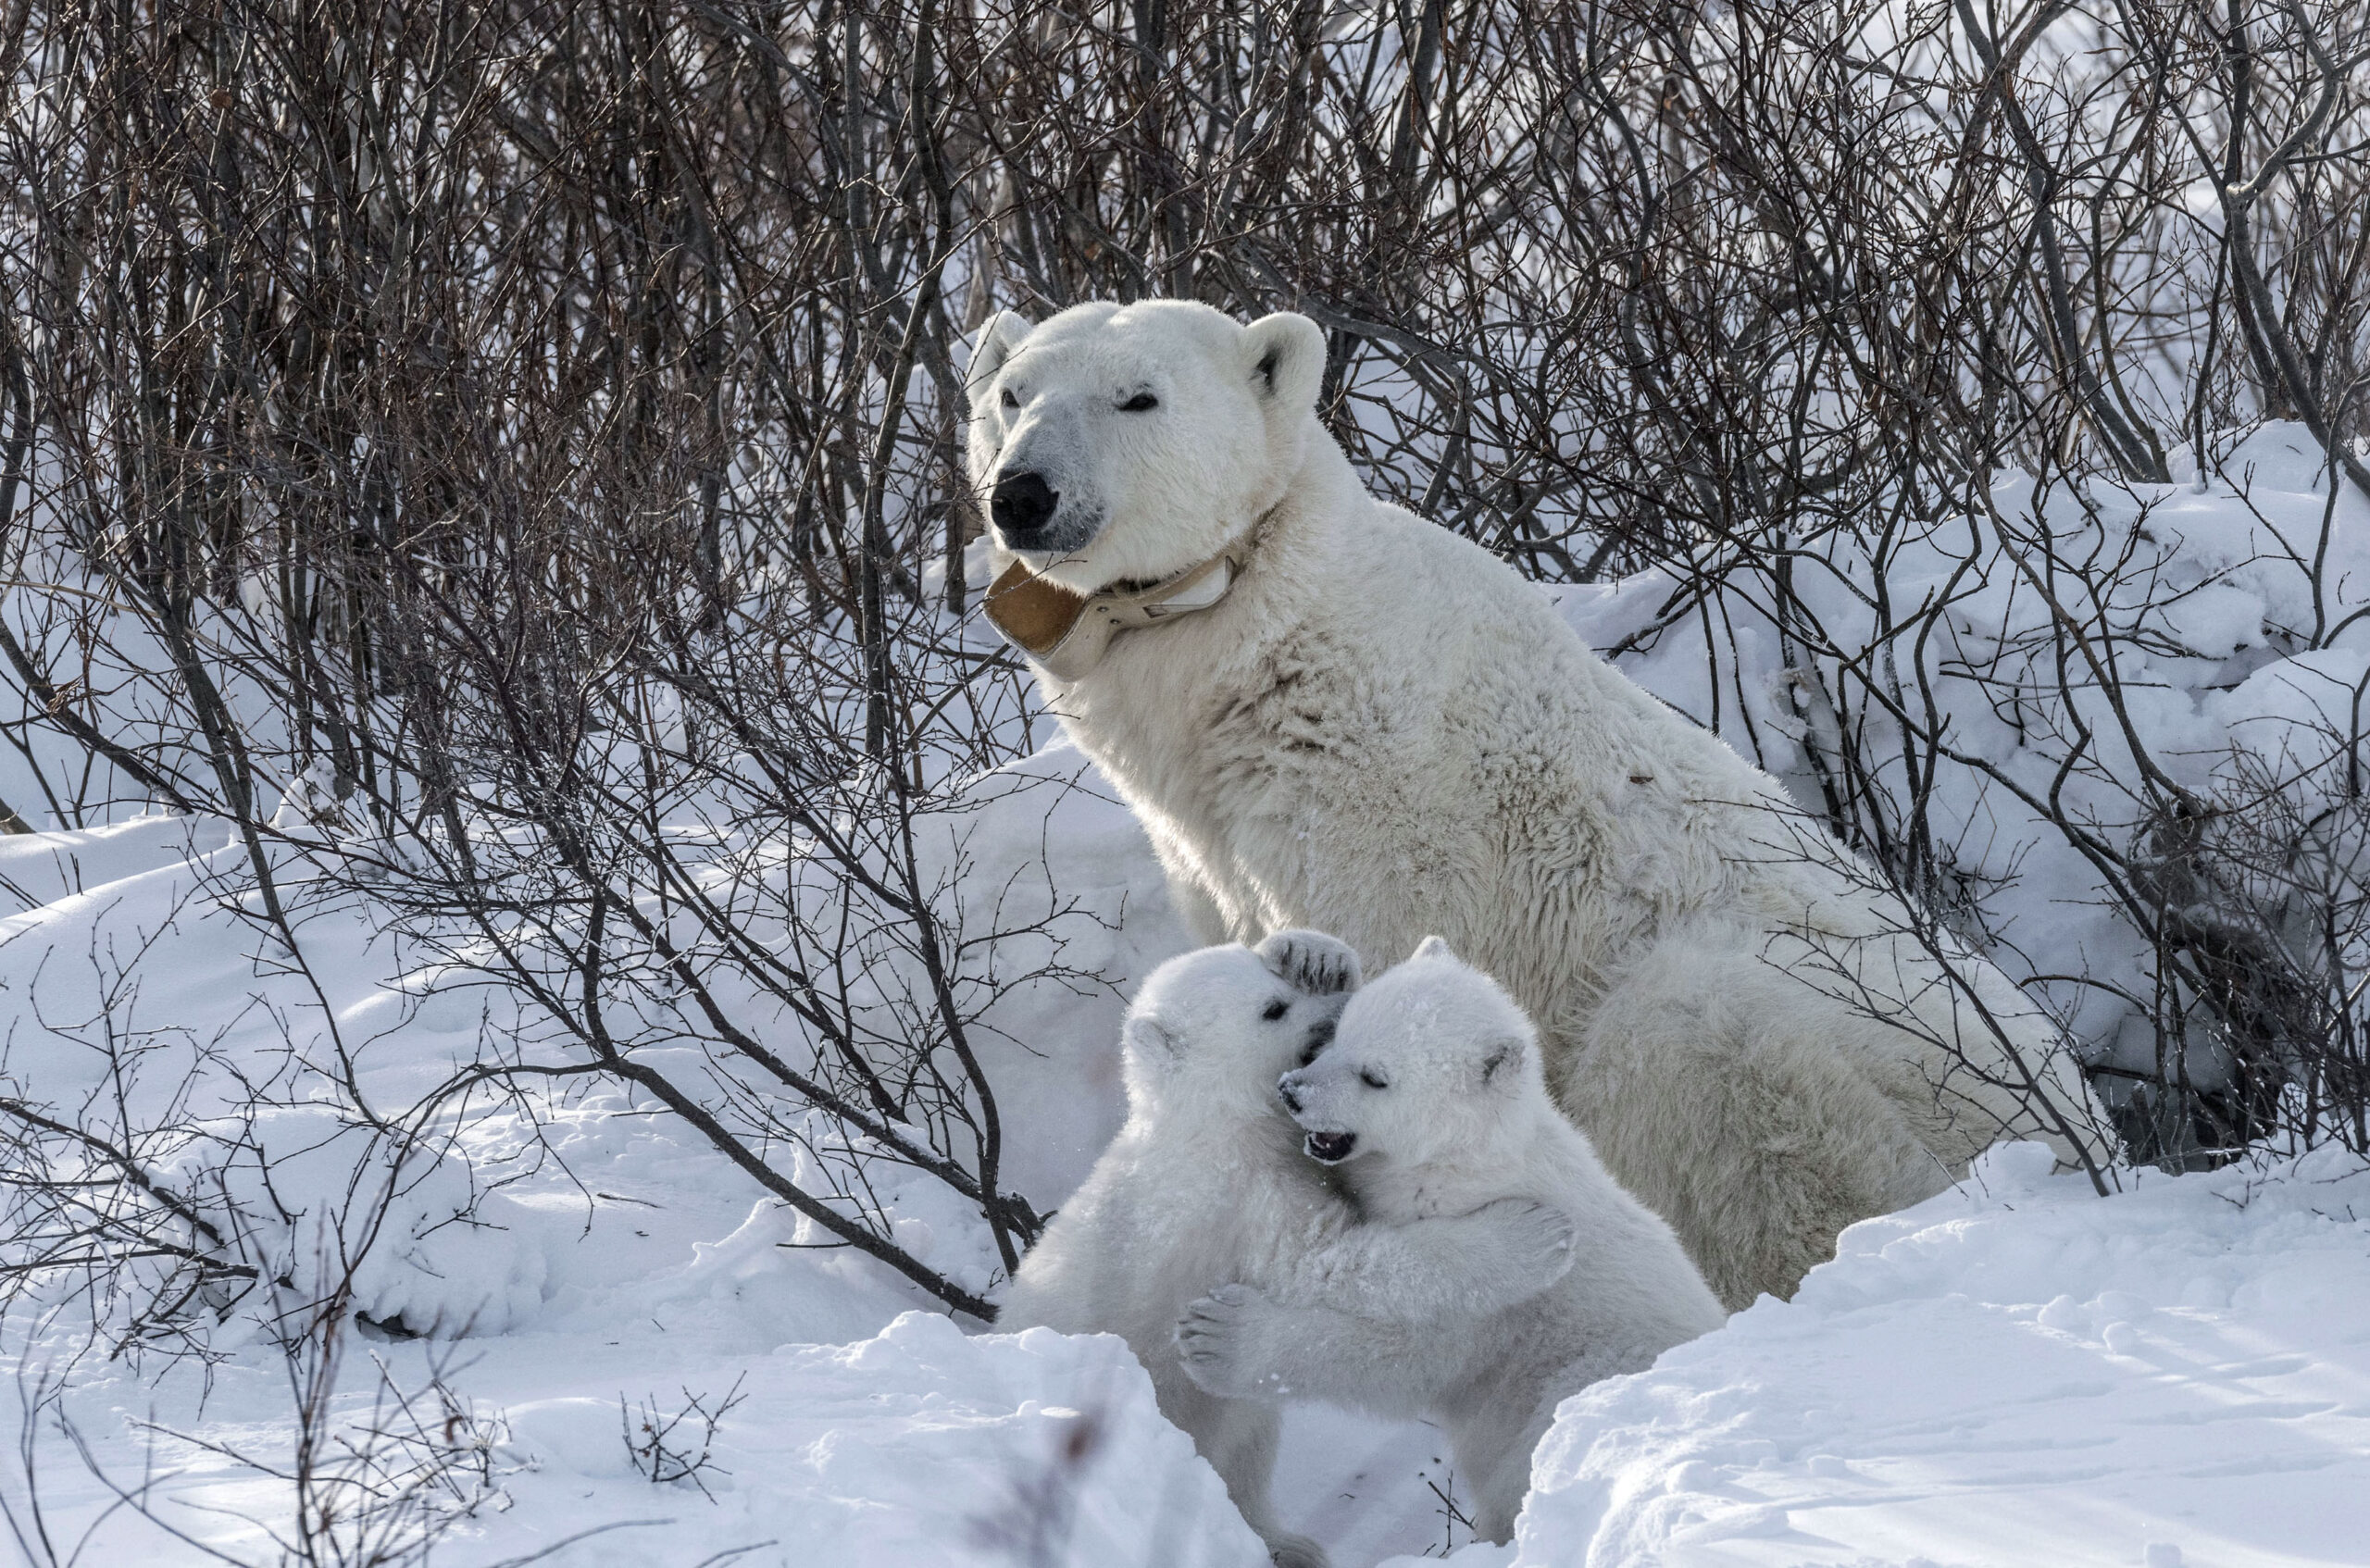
(1539, 1238)
(1310, 961)
(1225, 1341)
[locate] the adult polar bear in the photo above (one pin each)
(1331, 714)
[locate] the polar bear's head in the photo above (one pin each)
(1426, 1061)
(1127, 443)
(1212, 1028)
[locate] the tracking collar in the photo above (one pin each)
(1066, 633)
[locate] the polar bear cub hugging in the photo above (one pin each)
(1430, 1102)
(1207, 1183)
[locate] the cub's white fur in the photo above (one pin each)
(1429, 1102)
(1383, 731)
(1207, 1183)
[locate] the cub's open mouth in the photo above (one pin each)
(1332, 1148)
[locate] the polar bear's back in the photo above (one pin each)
(1467, 742)
(1560, 824)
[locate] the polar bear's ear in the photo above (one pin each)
(1501, 1055)
(1146, 1040)
(1287, 357)
(997, 342)
(1432, 946)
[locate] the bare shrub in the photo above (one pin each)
(501, 461)
(671, 1447)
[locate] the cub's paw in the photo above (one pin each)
(1227, 1342)
(1310, 961)
(1537, 1238)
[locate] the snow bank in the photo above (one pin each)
(916, 1445)
(2013, 1372)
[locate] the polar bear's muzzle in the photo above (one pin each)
(1330, 1147)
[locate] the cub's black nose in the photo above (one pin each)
(1023, 505)
(1290, 1093)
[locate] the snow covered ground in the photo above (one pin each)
(620, 1277)
(2013, 1372)
(2016, 1372)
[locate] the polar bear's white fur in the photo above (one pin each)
(1383, 731)
(1431, 1101)
(1207, 1183)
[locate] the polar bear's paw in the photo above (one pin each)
(1310, 961)
(1296, 1551)
(1537, 1237)
(1232, 1343)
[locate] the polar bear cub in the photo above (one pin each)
(1431, 1101)
(1207, 1183)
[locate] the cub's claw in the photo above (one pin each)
(1310, 961)
(1216, 1343)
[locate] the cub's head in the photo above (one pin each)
(1427, 1061)
(1126, 443)
(1213, 1028)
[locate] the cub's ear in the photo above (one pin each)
(1432, 946)
(1286, 355)
(1148, 1039)
(1501, 1057)
(995, 341)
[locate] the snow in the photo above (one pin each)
(916, 1444)
(613, 1266)
(2013, 1372)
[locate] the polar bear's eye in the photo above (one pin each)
(1276, 1009)
(1010, 401)
(1143, 403)
(1372, 1079)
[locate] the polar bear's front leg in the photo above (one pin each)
(1237, 1343)
(1472, 1266)
(1198, 908)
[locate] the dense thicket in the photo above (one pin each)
(507, 451)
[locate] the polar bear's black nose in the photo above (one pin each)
(1290, 1093)
(1023, 506)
